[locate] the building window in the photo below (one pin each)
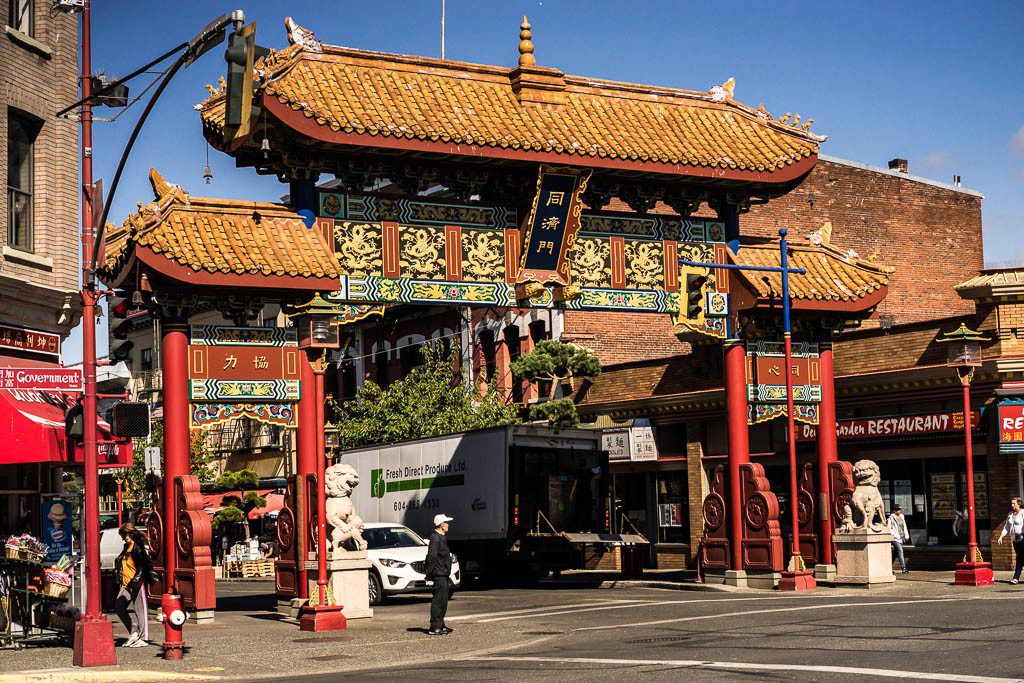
(146, 360)
(20, 16)
(21, 136)
(490, 353)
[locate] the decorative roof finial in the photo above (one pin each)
(526, 44)
(302, 37)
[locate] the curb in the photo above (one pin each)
(78, 675)
(641, 583)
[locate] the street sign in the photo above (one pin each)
(153, 460)
(29, 340)
(42, 379)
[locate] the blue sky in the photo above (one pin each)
(937, 83)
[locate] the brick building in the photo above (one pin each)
(39, 274)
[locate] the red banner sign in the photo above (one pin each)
(1011, 423)
(41, 379)
(243, 363)
(895, 425)
(29, 340)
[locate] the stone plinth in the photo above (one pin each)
(864, 558)
(348, 574)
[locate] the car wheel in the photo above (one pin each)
(376, 589)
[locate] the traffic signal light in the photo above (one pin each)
(241, 53)
(122, 350)
(695, 295)
(129, 419)
(119, 308)
(74, 423)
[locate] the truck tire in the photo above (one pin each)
(376, 589)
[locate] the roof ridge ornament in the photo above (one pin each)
(302, 37)
(721, 93)
(526, 57)
(162, 188)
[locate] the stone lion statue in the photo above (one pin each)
(868, 511)
(342, 521)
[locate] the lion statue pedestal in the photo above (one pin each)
(348, 570)
(863, 542)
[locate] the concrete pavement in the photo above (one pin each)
(920, 628)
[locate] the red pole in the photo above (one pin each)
(94, 635)
(120, 505)
(176, 460)
(972, 543)
(828, 451)
(739, 443)
(794, 509)
(321, 491)
(305, 464)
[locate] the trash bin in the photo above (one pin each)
(632, 561)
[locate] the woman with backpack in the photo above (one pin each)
(134, 571)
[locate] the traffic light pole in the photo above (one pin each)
(796, 577)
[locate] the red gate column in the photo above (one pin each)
(739, 444)
(176, 454)
(827, 453)
(305, 460)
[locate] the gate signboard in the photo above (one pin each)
(766, 381)
(552, 225)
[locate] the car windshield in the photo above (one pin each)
(391, 537)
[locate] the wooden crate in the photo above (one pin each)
(250, 569)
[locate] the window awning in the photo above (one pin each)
(32, 427)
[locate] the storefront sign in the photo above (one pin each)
(239, 373)
(29, 340)
(895, 425)
(1011, 423)
(41, 379)
(552, 226)
(636, 444)
(58, 515)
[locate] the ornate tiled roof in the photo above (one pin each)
(221, 236)
(832, 275)
(527, 109)
(993, 283)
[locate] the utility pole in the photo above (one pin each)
(94, 635)
(442, 28)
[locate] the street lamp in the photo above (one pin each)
(318, 330)
(963, 347)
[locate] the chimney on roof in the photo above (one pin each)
(899, 165)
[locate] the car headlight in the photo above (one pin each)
(394, 564)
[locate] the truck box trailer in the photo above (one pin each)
(524, 499)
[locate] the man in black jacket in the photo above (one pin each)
(438, 568)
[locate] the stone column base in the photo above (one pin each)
(714, 576)
(736, 577)
(864, 559)
(348, 575)
(825, 573)
(763, 580)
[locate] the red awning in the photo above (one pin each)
(275, 501)
(32, 427)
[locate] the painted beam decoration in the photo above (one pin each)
(766, 381)
(250, 371)
(414, 250)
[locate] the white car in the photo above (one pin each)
(397, 554)
(111, 545)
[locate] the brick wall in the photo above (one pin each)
(38, 84)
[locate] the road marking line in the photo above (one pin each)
(753, 666)
(763, 611)
(636, 603)
(463, 617)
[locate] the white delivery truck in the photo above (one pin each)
(526, 500)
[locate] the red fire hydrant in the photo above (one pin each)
(172, 613)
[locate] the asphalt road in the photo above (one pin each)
(942, 634)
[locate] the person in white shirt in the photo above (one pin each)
(1014, 526)
(898, 528)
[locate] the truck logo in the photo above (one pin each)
(478, 505)
(379, 484)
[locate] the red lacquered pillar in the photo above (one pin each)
(739, 443)
(827, 449)
(305, 462)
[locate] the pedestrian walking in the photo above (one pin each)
(438, 568)
(1014, 526)
(135, 570)
(900, 535)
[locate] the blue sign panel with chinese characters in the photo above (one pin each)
(552, 226)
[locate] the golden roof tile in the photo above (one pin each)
(528, 108)
(220, 236)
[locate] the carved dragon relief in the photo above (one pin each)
(423, 252)
(590, 265)
(644, 269)
(483, 256)
(359, 247)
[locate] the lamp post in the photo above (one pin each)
(963, 347)
(317, 325)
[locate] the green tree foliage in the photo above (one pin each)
(202, 461)
(430, 401)
(242, 480)
(228, 521)
(253, 500)
(556, 362)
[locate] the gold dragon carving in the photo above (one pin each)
(423, 252)
(483, 258)
(590, 262)
(359, 248)
(644, 269)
